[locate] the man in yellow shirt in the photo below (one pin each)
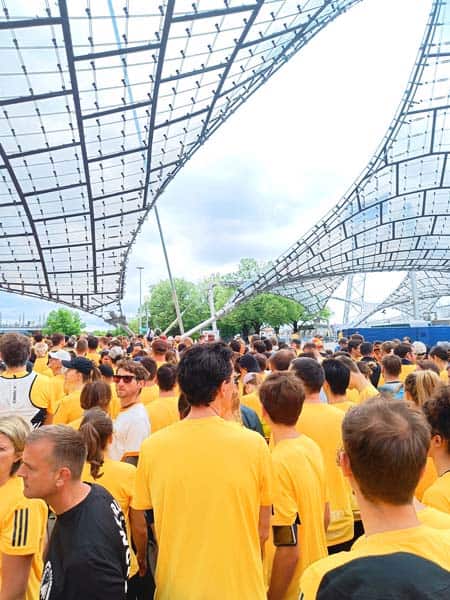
(385, 447)
(408, 357)
(92, 352)
(437, 412)
(208, 483)
(164, 411)
(439, 356)
(322, 423)
(28, 395)
(299, 507)
(337, 378)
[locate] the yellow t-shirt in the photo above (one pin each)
(206, 480)
(423, 541)
(57, 382)
(406, 370)
(69, 409)
(438, 494)
(428, 478)
(95, 357)
(162, 412)
(119, 479)
(41, 366)
(344, 406)
(322, 423)
(149, 394)
(444, 376)
(252, 401)
(434, 518)
(368, 392)
(22, 530)
(298, 491)
(352, 395)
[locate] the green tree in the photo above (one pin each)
(192, 301)
(64, 321)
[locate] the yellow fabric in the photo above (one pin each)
(75, 424)
(119, 479)
(17, 540)
(352, 395)
(344, 406)
(297, 491)
(41, 394)
(69, 409)
(424, 541)
(368, 392)
(438, 494)
(434, 518)
(444, 376)
(162, 412)
(206, 480)
(114, 405)
(428, 478)
(149, 394)
(406, 370)
(252, 401)
(57, 382)
(41, 366)
(95, 357)
(322, 423)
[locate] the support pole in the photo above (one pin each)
(412, 278)
(172, 284)
(211, 305)
(140, 269)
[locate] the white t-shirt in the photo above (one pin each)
(131, 427)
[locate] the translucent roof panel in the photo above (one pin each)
(396, 217)
(102, 103)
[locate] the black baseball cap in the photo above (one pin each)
(80, 364)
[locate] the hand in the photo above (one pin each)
(142, 562)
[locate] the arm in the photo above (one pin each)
(15, 573)
(140, 538)
(263, 525)
(326, 516)
(283, 568)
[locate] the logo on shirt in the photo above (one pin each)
(120, 521)
(46, 582)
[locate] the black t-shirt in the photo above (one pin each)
(88, 555)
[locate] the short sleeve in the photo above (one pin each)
(285, 509)
(23, 529)
(141, 494)
(42, 393)
(266, 473)
(136, 433)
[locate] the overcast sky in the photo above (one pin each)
(283, 159)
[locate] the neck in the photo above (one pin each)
(360, 381)
(14, 370)
(441, 462)
(335, 398)
(166, 393)
(127, 402)
(70, 496)
(391, 378)
(4, 477)
(313, 398)
(283, 432)
(381, 517)
(73, 387)
(203, 412)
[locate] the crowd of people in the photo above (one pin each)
(138, 468)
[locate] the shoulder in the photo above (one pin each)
(313, 575)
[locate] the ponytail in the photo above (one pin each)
(96, 429)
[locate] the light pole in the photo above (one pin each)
(140, 269)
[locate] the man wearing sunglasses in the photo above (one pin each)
(131, 426)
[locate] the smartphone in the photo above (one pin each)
(284, 535)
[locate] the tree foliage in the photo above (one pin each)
(251, 315)
(64, 321)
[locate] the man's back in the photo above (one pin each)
(206, 480)
(421, 541)
(322, 423)
(88, 554)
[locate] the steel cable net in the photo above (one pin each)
(430, 288)
(396, 217)
(102, 104)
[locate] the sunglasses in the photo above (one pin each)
(124, 378)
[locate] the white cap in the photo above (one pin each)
(60, 355)
(419, 348)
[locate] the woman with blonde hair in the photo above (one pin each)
(419, 387)
(22, 520)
